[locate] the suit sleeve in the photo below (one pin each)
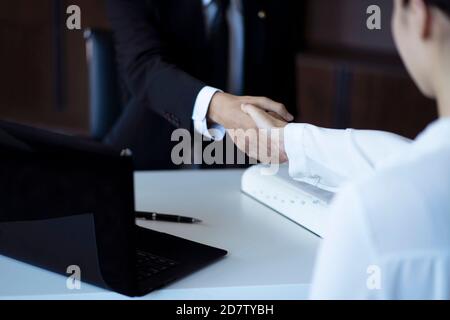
(151, 77)
(328, 158)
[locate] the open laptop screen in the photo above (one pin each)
(58, 195)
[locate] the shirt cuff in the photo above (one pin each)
(295, 150)
(201, 106)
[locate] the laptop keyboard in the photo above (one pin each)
(149, 264)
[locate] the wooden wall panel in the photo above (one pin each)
(342, 24)
(26, 64)
(389, 101)
(369, 96)
(25, 57)
(315, 92)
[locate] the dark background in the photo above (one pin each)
(347, 76)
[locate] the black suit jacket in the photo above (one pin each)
(162, 52)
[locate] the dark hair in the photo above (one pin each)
(444, 5)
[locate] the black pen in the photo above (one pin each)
(165, 217)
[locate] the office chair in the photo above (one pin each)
(107, 95)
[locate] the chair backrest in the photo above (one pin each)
(106, 94)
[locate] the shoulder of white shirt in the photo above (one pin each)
(397, 200)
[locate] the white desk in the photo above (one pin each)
(269, 256)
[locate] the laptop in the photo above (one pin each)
(68, 204)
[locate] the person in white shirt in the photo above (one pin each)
(389, 231)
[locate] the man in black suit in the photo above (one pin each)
(191, 62)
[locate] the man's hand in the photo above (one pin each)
(267, 144)
(226, 110)
(253, 124)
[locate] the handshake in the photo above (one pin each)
(255, 124)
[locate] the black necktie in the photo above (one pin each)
(219, 46)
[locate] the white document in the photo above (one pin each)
(300, 202)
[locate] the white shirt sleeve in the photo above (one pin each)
(328, 157)
(346, 261)
(201, 106)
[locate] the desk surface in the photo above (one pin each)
(269, 256)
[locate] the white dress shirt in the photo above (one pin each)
(327, 157)
(236, 67)
(389, 231)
